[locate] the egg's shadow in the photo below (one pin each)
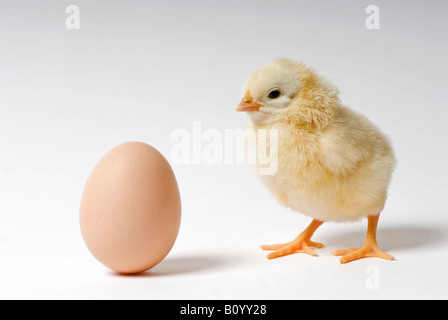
(180, 265)
(391, 237)
(187, 264)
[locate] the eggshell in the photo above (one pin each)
(130, 208)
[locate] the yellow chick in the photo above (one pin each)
(333, 163)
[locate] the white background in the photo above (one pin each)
(138, 70)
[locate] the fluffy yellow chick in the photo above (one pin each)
(333, 163)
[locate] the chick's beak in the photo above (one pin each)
(248, 104)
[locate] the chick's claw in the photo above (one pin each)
(316, 244)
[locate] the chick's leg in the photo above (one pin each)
(301, 244)
(370, 247)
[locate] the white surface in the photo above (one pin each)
(137, 70)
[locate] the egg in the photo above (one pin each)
(130, 208)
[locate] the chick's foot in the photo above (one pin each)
(301, 244)
(296, 246)
(369, 249)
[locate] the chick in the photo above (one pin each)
(333, 163)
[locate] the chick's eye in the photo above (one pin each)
(274, 94)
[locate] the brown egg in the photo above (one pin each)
(130, 208)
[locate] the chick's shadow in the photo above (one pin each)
(393, 237)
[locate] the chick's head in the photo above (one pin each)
(269, 91)
(286, 89)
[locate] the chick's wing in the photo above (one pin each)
(347, 142)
